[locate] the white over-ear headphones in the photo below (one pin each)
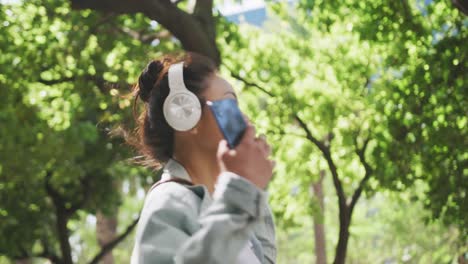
(182, 108)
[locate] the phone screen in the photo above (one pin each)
(230, 120)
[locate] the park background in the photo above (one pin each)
(364, 102)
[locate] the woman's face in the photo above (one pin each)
(208, 134)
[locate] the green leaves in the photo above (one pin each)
(61, 84)
(391, 72)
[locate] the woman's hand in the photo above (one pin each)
(249, 159)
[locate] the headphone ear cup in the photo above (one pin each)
(182, 110)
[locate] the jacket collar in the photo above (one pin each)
(173, 169)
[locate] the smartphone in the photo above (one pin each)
(230, 120)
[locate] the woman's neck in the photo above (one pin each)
(201, 166)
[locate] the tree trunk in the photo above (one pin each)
(341, 247)
(63, 235)
(319, 226)
(106, 228)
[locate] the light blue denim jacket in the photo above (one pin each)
(185, 224)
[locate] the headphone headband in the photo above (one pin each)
(176, 77)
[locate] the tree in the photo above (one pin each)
(420, 94)
(387, 227)
(62, 83)
(325, 84)
(335, 120)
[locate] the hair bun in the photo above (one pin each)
(148, 78)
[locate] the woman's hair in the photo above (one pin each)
(153, 137)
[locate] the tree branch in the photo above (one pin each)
(247, 83)
(109, 246)
(322, 147)
(86, 195)
(56, 81)
(319, 144)
(196, 32)
(361, 152)
(53, 194)
(331, 164)
(99, 81)
(62, 217)
(203, 12)
(462, 5)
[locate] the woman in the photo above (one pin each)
(209, 206)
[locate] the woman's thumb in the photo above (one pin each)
(224, 149)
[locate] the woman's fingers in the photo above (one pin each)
(261, 140)
(249, 134)
(250, 159)
(266, 145)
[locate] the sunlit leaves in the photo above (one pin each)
(324, 78)
(63, 80)
(387, 70)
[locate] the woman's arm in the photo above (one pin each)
(265, 232)
(224, 227)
